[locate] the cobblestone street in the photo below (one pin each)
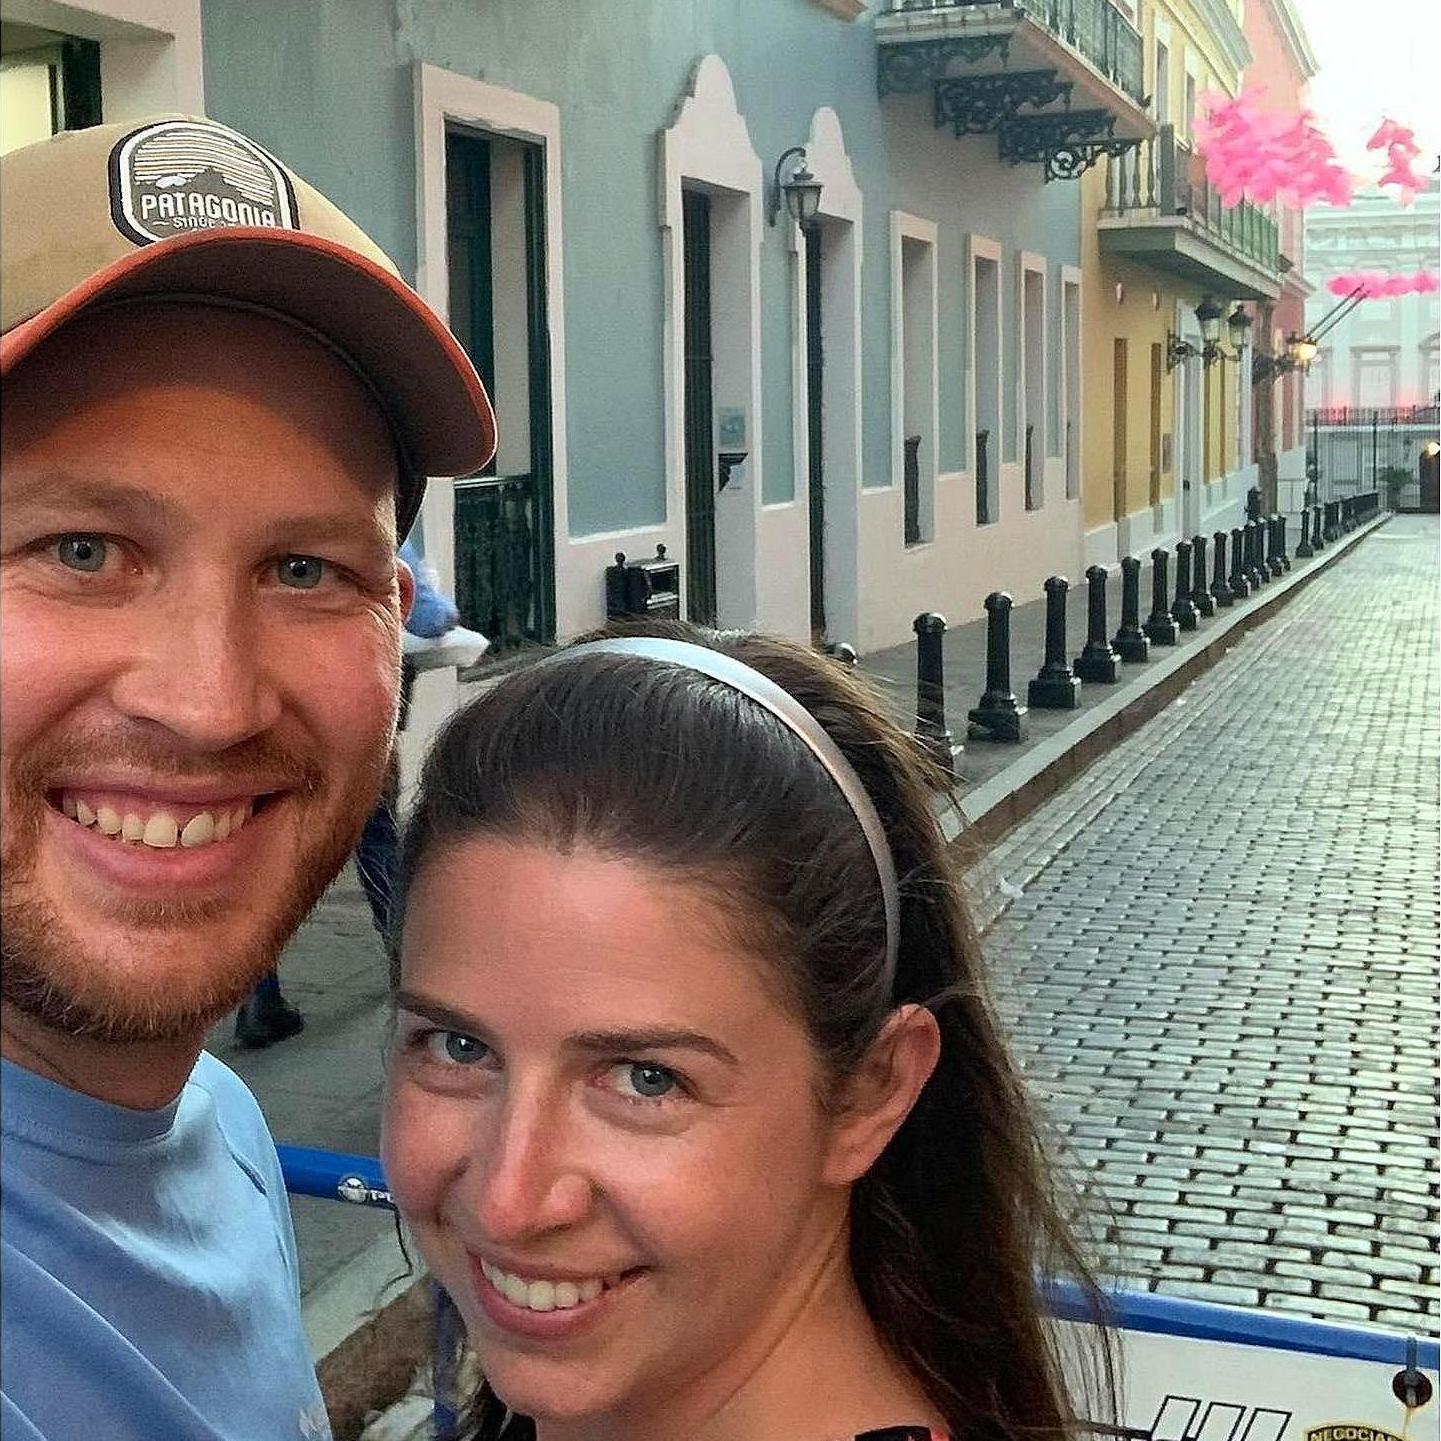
(1220, 959)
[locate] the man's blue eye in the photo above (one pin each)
(304, 572)
(455, 1047)
(652, 1083)
(83, 552)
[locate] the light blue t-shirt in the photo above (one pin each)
(148, 1277)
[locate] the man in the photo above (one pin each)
(220, 404)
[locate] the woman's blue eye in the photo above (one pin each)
(454, 1047)
(650, 1083)
(83, 552)
(304, 572)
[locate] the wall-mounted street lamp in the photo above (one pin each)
(1209, 314)
(801, 191)
(1178, 350)
(1299, 353)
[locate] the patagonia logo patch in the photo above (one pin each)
(181, 175)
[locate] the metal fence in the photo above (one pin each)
(1353, 450)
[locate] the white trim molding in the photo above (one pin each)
(840, 217)
(914, 338)
(151, 52)
(442, 98)
(1031, 384)
(708, 145)
(1072, 342)
(980, 248)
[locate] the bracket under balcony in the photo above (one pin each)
(1066, 142)
(979, 104)
(907, 69)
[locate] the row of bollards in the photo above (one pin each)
(1257, 552)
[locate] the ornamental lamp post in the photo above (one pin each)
(801, 191)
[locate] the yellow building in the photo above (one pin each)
(1167, 444)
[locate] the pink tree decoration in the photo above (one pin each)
(1256, 154)
(1375, 284)
(1399, 143)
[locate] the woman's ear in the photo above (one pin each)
(879, 1095)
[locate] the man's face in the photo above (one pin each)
(200, 619)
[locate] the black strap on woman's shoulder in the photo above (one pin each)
(901, 1433)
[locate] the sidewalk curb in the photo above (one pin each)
(983, 815)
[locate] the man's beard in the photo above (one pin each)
(50, 973)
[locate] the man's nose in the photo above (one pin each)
(201, 671)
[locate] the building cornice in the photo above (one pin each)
(1293, 32)
(1218, 21)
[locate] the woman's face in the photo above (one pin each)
(603, 1128)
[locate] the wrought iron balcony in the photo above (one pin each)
(1161, 210)
(1058, 81)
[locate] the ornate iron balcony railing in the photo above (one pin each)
(1166, 177)
(1095, 29)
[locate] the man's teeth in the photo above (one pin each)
(159, 829)
(545, 1295)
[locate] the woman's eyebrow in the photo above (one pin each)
(653, 1038)
(438, 1013)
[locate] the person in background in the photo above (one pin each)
(221, 402)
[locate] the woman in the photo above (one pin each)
(697, 1106)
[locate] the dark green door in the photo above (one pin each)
(700, 467)
(815, 389)
(504, 555)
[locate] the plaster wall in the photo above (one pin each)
(329, 85)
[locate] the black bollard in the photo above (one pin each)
(1318, 541)
(1348, 516)
(1183, 608)
(1159, 625)
(1240, 586)
(1097, 661)
(1331, 531)
(1281, 540)
(998, 717)
(1200, 596)
(931, 731)
(1130, 640)
(1303, 546)
(1055, 686)
(1220, 591)
(1256, 571)
(1273, 546)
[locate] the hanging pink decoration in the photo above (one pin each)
(1376, 284)
(1260, 155)
(1399, 143)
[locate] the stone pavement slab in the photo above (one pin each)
(1219, 960)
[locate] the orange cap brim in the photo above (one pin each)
(435, 401)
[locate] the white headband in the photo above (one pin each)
(797, 719)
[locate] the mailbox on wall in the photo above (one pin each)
(643, 587)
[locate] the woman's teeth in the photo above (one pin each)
(159, 828)
(545, 1295)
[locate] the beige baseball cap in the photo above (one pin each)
(178, 206)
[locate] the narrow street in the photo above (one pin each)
(1221, 960)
